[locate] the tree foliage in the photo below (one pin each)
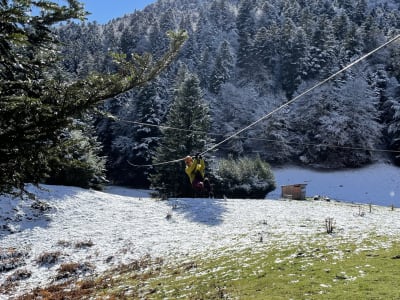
(185, 133)
(135, 138)
(76, 160)
(222, 69)
(36, 107)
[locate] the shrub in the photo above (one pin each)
(48, 258)
(243, 178)
(72, 269)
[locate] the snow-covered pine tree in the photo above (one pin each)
(391, 116)
(322, 52)
(294, 41)
(117, 137)
(245, 30)
(134, 136)
(222, 15)
(159, 42)
(223, 67)
(186, 132)
(337, 126)
(146, 134)
(394, 131)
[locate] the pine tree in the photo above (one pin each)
(360, 12)
(146, 133)
(394, 130)
(321, 56)
(294, 41)
(269, 15)
(133, 137)
(186, 131)
(35, 107)
(221, 15)
(353, 42)
(165, 24)
(30, 119)
(262, 50)
(388, 90)
(128, 40)
(340, 25)
(245, 27)
(223, 67)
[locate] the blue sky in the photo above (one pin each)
(103, 11)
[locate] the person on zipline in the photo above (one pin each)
(195, 169)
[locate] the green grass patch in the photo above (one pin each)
(306, 271)
(321, 270)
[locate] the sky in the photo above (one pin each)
(104, 11)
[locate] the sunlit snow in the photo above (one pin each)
(118, 225)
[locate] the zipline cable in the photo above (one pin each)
(280, 107)
(263, 139)
(302, 94)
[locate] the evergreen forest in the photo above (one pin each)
(242, 59)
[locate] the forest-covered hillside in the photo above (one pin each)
(250, 57)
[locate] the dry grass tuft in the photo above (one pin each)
(84, 244)
(48, 258)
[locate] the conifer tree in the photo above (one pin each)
(294, 40)
(245, 27)
(262, 49)
(394, 131)
(35, 107)
(185, 133)
(134, 137)
(344, 125)
(223, 67)
(143, 140)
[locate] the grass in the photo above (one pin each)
(368, 270)
(301, 272)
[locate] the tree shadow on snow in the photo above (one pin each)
(127, 192)
(201, 210)
(18, 214)
(17, 218)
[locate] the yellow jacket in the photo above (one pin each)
(196, 166)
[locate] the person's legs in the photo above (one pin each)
(197, 185)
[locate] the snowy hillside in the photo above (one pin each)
(100, 230)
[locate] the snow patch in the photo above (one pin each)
(71, 231)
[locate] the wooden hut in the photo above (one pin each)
(294, 191)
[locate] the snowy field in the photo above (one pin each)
(100, 230)
(377, 184)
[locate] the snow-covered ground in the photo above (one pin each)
(377, 184)
(100, 230)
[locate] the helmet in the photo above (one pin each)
(188, 159)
